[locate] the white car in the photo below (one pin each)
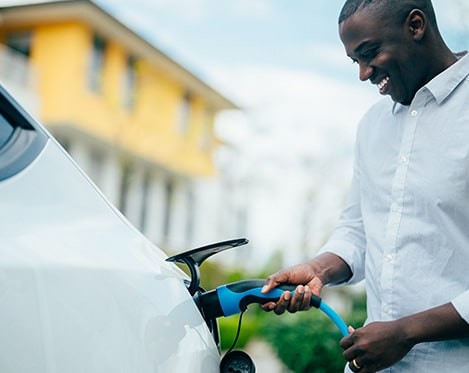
(81, 290)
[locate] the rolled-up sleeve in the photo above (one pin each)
(461, 303)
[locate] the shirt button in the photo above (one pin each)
(414, 113)
(386, 309)
(389, 258)
(403, 159)
(395, 207)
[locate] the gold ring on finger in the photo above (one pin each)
(355, 364)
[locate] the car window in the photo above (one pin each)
(21, 139)
(6, 129)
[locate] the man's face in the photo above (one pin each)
(385, 53)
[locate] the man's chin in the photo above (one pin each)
(401, 100)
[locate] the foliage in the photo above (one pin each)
(309, 341)
(229, 326)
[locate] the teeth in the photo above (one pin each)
(383, 83)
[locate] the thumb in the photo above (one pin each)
(275, 280)
(351, 329)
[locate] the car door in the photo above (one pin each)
(82, 290)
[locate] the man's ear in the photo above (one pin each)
(417, 23)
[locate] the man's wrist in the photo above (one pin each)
(331, 268)
(410, 329)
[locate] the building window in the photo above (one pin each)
(20, 42)
(95, 69)
(145, 195)
(126, 178)
(183, 114)
(129, 83)
(169, 192)
(206, 136)
(96, 166)
(14, 65)
(190, 215)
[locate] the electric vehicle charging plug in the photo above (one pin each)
(231, 299)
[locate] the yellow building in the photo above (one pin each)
(140, 124)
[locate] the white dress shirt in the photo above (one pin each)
(405, 225)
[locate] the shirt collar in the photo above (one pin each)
(446, 82)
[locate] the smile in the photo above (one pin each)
(383, 85)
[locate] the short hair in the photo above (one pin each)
(398, 8)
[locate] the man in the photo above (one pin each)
(405, 225)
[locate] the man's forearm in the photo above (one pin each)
(436, 324)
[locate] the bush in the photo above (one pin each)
(228, 327)
(309, 341)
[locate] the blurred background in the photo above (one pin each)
(206, 120)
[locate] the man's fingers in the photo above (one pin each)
(301, 300)
(346, 342)
(270, 306)
(306, 304)
(283, 303)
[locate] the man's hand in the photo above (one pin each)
(310, 278)
(302, 295)
(375, 346)
(379, 345)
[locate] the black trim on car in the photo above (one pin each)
(21, 139)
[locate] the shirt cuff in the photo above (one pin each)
(461, 303)
(349, 253)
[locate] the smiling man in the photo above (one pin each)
(405, 226)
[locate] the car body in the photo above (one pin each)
(81, 289)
